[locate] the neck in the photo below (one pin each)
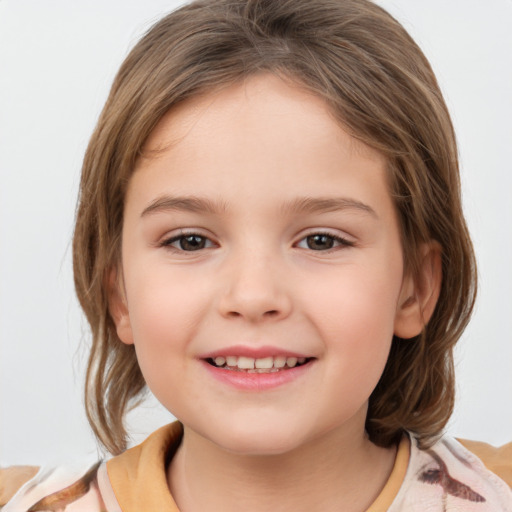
(338, 471)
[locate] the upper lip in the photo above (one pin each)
(254, 352)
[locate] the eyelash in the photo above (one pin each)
(167, 243)
(343, 242)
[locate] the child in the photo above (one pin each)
(270, 236)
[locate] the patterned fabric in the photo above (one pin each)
(449, 478)
(66, 489)
(445, 478)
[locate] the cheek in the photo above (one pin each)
(164, 321)
(164, 313)
(357, 299)
(355, 316)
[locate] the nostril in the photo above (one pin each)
(269, 314)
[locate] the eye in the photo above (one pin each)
(323, 242)
(188, 242)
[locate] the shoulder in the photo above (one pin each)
(448, 477)
(12, 478)
(30, 489)
(496, 459)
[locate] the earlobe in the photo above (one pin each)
(419, 294)
(118, 307)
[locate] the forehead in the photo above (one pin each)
(279, 100)
(263, 132)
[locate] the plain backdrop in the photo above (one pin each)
(57, 61)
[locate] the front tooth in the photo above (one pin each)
(245, 363)
(279, 361)
(220, 361)
(291, 361)
(231, 360)
(264, 362)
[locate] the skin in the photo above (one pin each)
(254, 149)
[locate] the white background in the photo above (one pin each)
(57, 60)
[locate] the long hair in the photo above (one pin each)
(381, 88)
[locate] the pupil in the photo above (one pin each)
(192, 243)
(319, 242)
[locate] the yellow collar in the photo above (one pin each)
(139, 478)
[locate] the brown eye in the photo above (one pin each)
(188, 243)
(324, 242)
(192, 242)
(320, 242)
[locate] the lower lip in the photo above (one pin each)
(257, 381)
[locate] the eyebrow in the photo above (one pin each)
(187, 203)
(303, 205)
(326, 204)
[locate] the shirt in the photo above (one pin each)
(445, 478)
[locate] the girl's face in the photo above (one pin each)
(262, 271)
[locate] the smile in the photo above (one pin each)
(261, 365)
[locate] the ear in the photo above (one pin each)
(118, 307)
(419, 294)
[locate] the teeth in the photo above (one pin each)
(220, 361)
(232, 360)
(245, 363)
(291, 361)
(262, 365)
(279, 361)
(266, 362)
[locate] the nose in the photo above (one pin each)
(255, 288)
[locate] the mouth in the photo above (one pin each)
(268, 364)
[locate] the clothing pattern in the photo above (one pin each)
(444, 478)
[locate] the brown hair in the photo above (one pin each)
(379, 84)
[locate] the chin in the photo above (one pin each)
(257, 440)
(260, 447)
